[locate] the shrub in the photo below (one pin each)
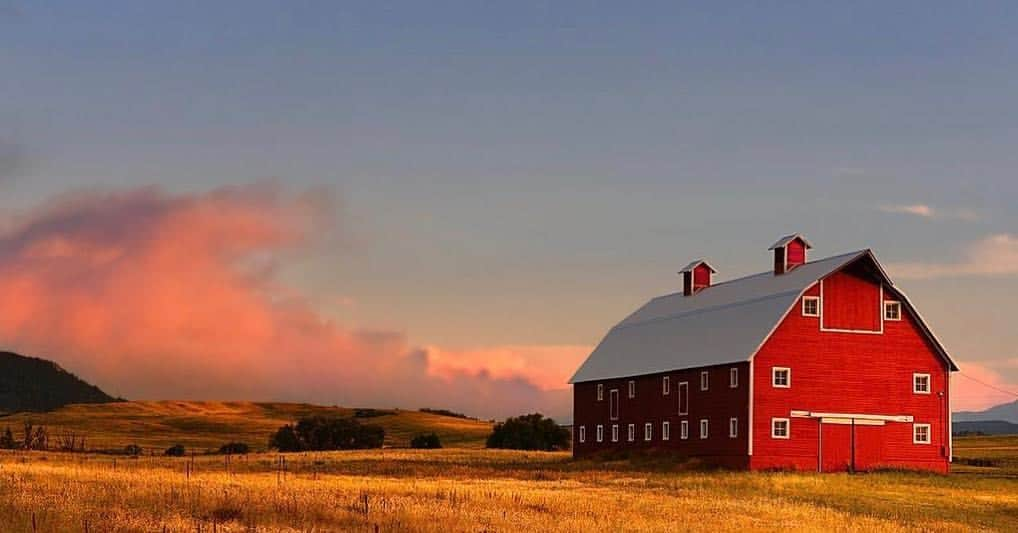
(427, 441)
(7, 441)
(445, 412)
(177, 450)
(132, 449)
(529, 432)
(323, 433)
(234, 448)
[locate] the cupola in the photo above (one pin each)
(789, 252)
(696, 276)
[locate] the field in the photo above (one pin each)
(204, 426)
(454, 490)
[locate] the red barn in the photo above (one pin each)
(814, 365)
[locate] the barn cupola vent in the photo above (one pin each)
(789, 252)
(696, 276)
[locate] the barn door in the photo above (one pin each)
(835, 446)
(613, 407)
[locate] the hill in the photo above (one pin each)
(204, 426)
(986, 427)
(1006, 411)
(32, 384)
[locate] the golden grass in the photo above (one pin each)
(479, 490)
(204, 426)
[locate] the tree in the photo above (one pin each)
(323, 433)
(426, 441)
(132, 450)
(7, 441)
(529, 432)
(177, 450)
(285, 439)
(234, 448)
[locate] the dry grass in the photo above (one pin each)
(476, 490)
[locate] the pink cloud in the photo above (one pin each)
(971, 395)
(154, 295)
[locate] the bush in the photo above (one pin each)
(445, 412)
(529, 432)
(322, 433)
(133, 449)
(234, 448)
(177, 450)
(7, 441)
(427, 441)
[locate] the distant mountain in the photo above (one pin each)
(32, 384)
(1007, 412)
(986, 427)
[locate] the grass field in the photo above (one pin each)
(204, 426)
(482, 490)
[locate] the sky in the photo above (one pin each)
(448, 204)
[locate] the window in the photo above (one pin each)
(811, 306)
(892, 310)
(779, 428)
(666, 386)
(781, 377)
(666, 431)
(648, 430)
(704, 380)
(733, 427)
(684, 398)
(632, 389)
(632, 432)
(684, 429)
(733, 378)
(613, 404)
(920, 433)
(921, 383)
(615, 432)
(704, 427)
(600, 433)
(583, 433)
(600, 392)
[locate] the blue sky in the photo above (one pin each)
(527, 174)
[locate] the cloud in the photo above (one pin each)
(926, 211)
(970, 395)
(154, 295)
(995, 255)
(914, 209)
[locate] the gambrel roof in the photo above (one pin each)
(725, 323)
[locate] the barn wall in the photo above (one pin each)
(851, 300)
(850, 373)
(717, 404)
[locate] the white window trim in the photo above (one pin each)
(733, 377)
(600, 392)
(929, 383)
(583, 434)
(632, 388)
(733, 428)
(774, 375)
(600, 433)
(666, 386)
(892, 303)
(684, 430)
(683, 398)
(788, 428)
(615, 432)
(648, 431)
(929, 434)
(614, 403)
(704, 428)
(811, 299)
(666, 430)
(705, 380)
(632, 433)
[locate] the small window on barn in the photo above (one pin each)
(683, 398)
(704, 380)
(733, 377)
(632, 389)
(781, 377)
(600, 391)
(892, 310)
(704, 428)
(920, 433)
(648, 431)
(666, 386)
(779, 428)
(615, 432)
(810, 306)
(684, 429)
(666, 431)
(600, 433)
(632, 432)
(733, 427)
(921, 383)
(583, 433)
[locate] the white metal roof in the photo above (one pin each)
(725, 323)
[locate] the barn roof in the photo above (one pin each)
(725, 323)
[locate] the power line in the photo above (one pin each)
(985, 384)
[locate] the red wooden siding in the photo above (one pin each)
(701, 277)
(796, 253)
(851, 300)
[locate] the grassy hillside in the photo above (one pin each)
(208, 425)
